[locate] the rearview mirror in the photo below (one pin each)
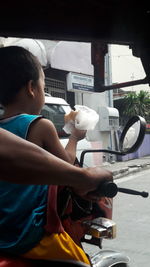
(132, 135)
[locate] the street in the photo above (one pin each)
(132, 216)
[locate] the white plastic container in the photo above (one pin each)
(86, 118)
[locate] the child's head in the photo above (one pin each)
(17, 67)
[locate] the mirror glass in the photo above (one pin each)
(131, 136)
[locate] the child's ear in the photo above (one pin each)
(30, 88)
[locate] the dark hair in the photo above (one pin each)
(17, 67)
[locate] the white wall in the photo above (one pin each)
(71, 56)
(126, 67)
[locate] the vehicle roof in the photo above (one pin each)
(76, 20)
(108, 21)
(55, 100)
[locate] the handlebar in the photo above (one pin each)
(110, 189)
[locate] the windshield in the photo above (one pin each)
(55, 113)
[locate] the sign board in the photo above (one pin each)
(80, 82)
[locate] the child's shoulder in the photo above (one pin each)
(43, 123)
(40, 132)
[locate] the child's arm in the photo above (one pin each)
(43, 133)
(71, 147)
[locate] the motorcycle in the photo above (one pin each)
(91, 222)
(130, 140)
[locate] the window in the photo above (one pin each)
(55, 113)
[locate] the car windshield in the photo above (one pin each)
(55, 113)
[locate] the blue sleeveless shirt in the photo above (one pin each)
(22, 207)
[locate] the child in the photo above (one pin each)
(23, 207)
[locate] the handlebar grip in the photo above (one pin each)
(108, 189)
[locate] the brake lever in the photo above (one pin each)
(133, 192)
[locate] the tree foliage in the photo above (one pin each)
(137, 104)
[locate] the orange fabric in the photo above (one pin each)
(76, 229)
(57, 246)
(53, 224)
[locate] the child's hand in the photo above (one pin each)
(78, 134)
